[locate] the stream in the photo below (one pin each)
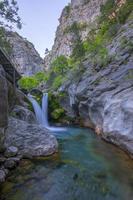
(86, 168)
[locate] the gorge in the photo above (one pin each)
(72, 136)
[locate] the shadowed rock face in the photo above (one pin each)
(19, 136)
(30, 139)
(24, 114)
(24, 55)
(3, 98)
(104, 99)
(3, 105)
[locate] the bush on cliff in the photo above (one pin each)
(56, 112)
(29, 83)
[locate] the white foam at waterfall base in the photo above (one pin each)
(42, 113)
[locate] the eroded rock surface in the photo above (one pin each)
(30, 139)
(103, 97)
(24, 55)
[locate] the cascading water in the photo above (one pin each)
(42, 112)
(37, 109)
(45, 110)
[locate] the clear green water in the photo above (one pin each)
(86, 168)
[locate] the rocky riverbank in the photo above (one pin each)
(20, 135)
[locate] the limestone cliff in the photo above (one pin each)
(24, 55)
(85, 13)
(99, 92)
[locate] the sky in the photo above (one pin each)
(40, 20)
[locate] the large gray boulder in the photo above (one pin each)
(31, 140)
(24, 114)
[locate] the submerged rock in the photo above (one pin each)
(31, 140)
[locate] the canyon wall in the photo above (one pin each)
(24, 55)
(99, 92)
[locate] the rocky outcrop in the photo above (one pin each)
(30, 139)
(98, 95)
(85, 14)
(102, 98)
(24, 114)
(24, 55)
(20, 136)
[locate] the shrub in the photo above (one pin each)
(107, 9)
(55, 110)
(125, 11)
(41, 76)
(57, 113)
(32, 82)
(57, 82)
(78, 50)
(60, 65)
(68, 9)
(28, 83)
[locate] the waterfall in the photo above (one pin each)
(37, 109)
(45, 109)
(41, 112)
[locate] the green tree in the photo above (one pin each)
(8, 18)
(9, 13)
(60, 65)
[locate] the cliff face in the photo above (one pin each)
(18, 129)
(85, 13)
(24, 55)
(100, 92)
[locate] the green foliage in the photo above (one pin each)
(55, 110)
(60, 65)
(28, 83)
(107, 9)
(57, 82)
(122, 12)
(78, 49)
(9, 13)
(75, 27)
(125, 11)
(126, 43)
(57, 113)
(68, 9)
(41, 76)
